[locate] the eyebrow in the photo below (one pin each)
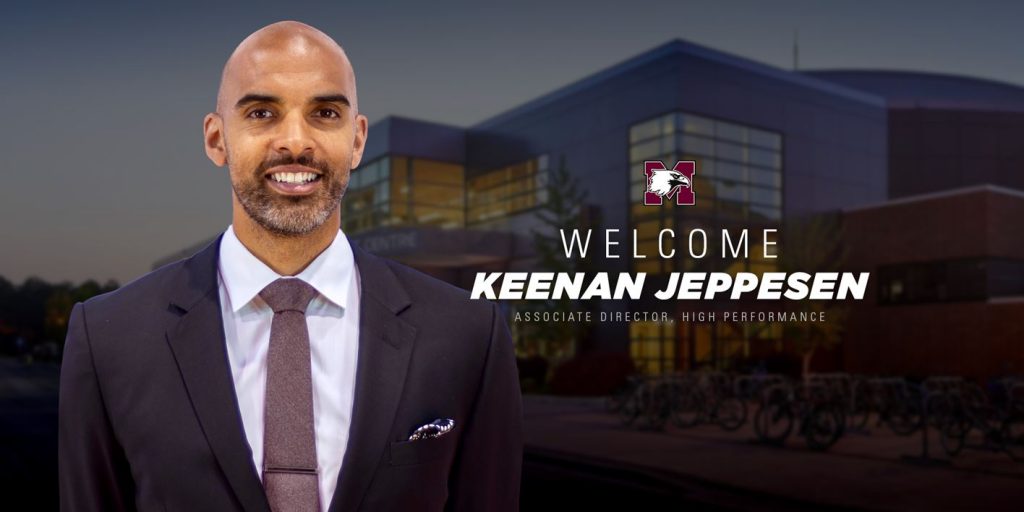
(333, 98)
(256, 98)
(266, 98)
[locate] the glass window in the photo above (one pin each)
(941, 281)
(648, 248)
(509, 189)
(766, 196)
(729, 131)
(652, 346)
(436, 195)
(703, 188)
(696, 124)
(764, 177)
(540, 179)
(765, 213)
(730, 151)
(731, 171)
(1005, 278)
(650, 150)
(379, 193)
(738, 176)
(696, 144)
(765, 158)
(730, 191)
(765, 139)
(668, 125)
(645, 131)
(371, 173)
(732, 210)
(705, 167)
(399, 209)
(648, 229)
(437, 172)
(636, 192)
(366, 197)
(399, 169)
(542, 162)
(444, 217)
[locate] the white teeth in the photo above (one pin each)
(293, 177)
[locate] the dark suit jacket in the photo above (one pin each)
(149, 419)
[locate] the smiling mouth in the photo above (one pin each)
(294, 183)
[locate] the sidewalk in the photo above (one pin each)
(862, 471)
(574, 438)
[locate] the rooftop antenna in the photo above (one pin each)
(796, 49)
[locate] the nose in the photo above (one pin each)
(294, 136)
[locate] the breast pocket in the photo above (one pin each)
(403, 453)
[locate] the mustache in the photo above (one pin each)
(304, 160)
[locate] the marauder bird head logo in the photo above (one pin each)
(663, 182)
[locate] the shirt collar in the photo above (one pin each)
(244, 275)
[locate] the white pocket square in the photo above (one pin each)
(435, 428)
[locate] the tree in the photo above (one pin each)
(58, 312)
(563, 209)
(39, 311)
(814, 244)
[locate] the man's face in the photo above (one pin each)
(289, 134)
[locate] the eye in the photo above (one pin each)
(329, 113)
(259, 113)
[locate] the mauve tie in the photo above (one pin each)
(290, 476)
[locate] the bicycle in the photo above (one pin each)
(819, 418)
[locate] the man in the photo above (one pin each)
(281, 368)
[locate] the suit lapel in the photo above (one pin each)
(385, 345)
(197, 341)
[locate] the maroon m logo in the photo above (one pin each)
(663, 182)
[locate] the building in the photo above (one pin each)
(948, 263)
(947, 294)
(946, 132)
(770, 145)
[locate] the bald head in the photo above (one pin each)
(288, 128)
(286, 49)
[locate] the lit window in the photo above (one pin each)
(738, 176)
(508, 190)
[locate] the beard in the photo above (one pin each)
(291, 215)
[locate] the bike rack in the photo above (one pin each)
(925, 459)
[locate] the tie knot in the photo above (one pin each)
(288, 295)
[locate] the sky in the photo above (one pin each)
(102, 169)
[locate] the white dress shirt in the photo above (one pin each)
(333, 322)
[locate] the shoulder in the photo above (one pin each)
(140, 291)
(136, 300)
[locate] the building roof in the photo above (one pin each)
(681, 47)
(910, 89)
(415, 138)
(940, 194)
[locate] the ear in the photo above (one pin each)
(359, 141)
(213, 139)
